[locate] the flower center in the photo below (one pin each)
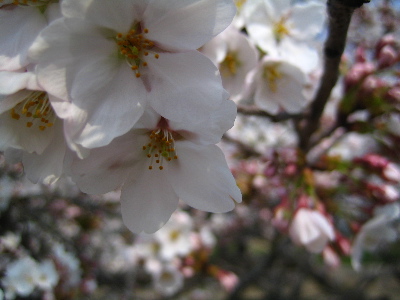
(280, 29)
(160, 148)
(229, 65)
(272, 74)
(134, 46)
(35, 110)
(239, 3)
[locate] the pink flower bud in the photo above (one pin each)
(357, 72)
(387, 39)
(387, 57)
(394, 93)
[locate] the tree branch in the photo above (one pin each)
(339, 12)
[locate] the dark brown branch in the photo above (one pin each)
(339, 12)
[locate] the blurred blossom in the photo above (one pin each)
(376, 232)
(168, 281)
(21, 277)
(175, 237)
(69, 264)
(353, 145)
(48, 276)
(311, 229)
(9, 241)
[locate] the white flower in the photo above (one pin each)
(113, 59)
(278, 84)
(70, 263)
(311, 229)
(281, 29)
(30, 128)
(235, 57)
(168, 281)
(48, 276)
(376, 232)
(21, 276)
(175, 236)
(159, 162)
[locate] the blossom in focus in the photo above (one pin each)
(311, 229)
(113, 59)
(277, 84)
(159, 162)
(30, 130)
(235, 57)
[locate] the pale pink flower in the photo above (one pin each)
(282, 29)
(159, 162)
(376, 232)
(278, 85)
(113, 59)
(235, 57)
(311, 229)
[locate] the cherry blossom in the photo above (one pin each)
(160, 161)
(280, 28)
(235, 57)
(277, 84)
(115, 59)
(311, 229)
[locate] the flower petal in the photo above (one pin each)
(201, 178)
(211, 128)
(177, 25)
(185, 86)
(106, 168)
(118, 15)
(147, 200)
(19, 26)
(113, 97)
(49, 166)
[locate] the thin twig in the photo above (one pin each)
(255, 111)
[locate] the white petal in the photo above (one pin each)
(185, 86)
(147, 199)
(186, 25)
(62, 48)
(106, 168)
(19, 26)
(12, 82)
(118, 15)
(307, 20)
(211, 128)
(114, 100)
(299, 54)
(47, 167)
(201, 178)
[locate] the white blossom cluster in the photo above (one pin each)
(116, 95)
(272, 65)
